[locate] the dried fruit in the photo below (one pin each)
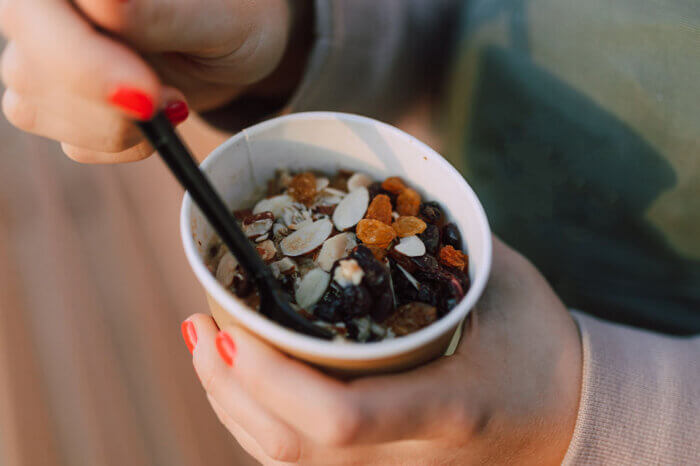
(306, 239)
(334, 248)
(452, 257)
(242, 213)
(358, 180)
(431, 239)
(311, 288)
(330, 307)
(426, 267)
(380, 209)
(356, 301)
(451, 236)
(378, 253)
(410, 246)
(375, 233)
(408, 226)
(376, 276)
(411, 317)
(351, 209)
(431, 212)
(393, 184)
(302, 188)
(383, 306)
(408, 202)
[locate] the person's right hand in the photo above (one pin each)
(79, 71)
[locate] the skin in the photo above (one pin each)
(60, 66)
(508, 396)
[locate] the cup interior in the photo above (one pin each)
(326, 141)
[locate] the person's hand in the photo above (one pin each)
(509, 394)
(78, 71)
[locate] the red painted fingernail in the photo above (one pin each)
(226, 347)
(177, 112)
(189, 334)
(133, 101)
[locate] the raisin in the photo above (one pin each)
(380, 209)
(400, 259)
(302, 188)
(340, 180)
(383, 306)
(326, 209)
(242, 286)
(431, 239)
(426, 267)
(393, 184)
(408, 226)
(412, 317)
(408, 202)
(452, 257)
(330, 307)
(379, 253)
(375, 233)
(431, 212)
(451, 236)
(357, 301)
(376, 276)
(427, 293)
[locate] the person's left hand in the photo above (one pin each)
(508, 395)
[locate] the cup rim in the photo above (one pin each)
(276, 333)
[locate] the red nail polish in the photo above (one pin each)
(133, 101)
(226, 347)
(177, 112)
(189, 334)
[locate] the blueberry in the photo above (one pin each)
(431, 239)
(431, 212)
(451, 236)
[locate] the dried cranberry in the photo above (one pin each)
(451, 236)
(330, 307)
(431, 239)
(431, 212)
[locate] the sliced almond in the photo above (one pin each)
(279, 230)
(274, 204)
(306, 239)
(267, 250)
(312, 287)
(262, 238)
(226, 269)
(351, 209)
(321, 184)
(335, 248)
(282, 267)
(358, 180)
(411, 246)
(329, 197)
(257, 228)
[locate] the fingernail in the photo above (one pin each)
(189, 334)
(226, 347)
(177, 112)
(133, 101)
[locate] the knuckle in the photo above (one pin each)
(343, 424)
(19, 112)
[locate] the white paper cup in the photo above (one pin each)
(326, 141)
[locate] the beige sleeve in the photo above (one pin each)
(640, 400)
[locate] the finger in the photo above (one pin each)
(79, 58)
(244, 439)
(140, 151)
(277, 440)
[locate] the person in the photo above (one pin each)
(576, 122)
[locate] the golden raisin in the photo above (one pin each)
(408, 202)
(378, 253)
(375, 233)
(380, 209)
(452, 257)
(409, 226)
(302, 188)
(393, 184)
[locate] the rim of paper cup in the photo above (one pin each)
(273, 331)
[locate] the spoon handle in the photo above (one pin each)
(172, 150)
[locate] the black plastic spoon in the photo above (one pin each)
(274, 301)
